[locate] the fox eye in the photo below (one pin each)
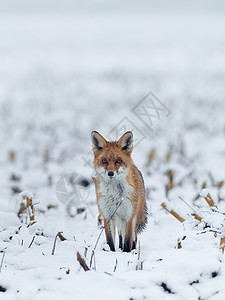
(104, 161)
(118, 161)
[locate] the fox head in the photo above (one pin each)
(112, 159)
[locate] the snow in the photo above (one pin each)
(65, 74)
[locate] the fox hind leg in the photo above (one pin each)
(134, 233)
(134, 242)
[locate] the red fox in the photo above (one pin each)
(119, 189)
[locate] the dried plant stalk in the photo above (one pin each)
(151, 155)
(170, 185)
(26, 205)
(179, 246)
(169, 153)
(222, 243)
(30, 208)
(62, 238)
(197, 217)
(50, 180)
(46, 156)
(210, 201)
(22, 209)
(12, 156)
(82, 262)
(139, 265)
(31, 241)
(220, 184)
(3, 256)
(172, 213)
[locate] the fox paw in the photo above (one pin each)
(106, 247)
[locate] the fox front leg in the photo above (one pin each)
(109, 227)
(122, 232)
(130, 240)
(120, 242)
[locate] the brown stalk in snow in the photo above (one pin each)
(170, 185)
(82, 262)
(210, 202)
(3, 256)
(151, 156)
(222, 243)
(62, 238)
(173, 213)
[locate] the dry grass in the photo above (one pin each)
(211, 228)
(27, 207)
(82, 262)
(173, 213)
(222, 243)
(12, 156)
(151, 156)
(61, 237)
(210, 202)
(170, 185)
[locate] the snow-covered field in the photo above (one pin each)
(64, 75)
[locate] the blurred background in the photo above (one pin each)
(70, 67)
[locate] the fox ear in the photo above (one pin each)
(98, 142)
(126, 142)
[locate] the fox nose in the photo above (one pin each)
(110, 174)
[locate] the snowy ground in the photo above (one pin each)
(61, 77)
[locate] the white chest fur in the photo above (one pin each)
(114, 201)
